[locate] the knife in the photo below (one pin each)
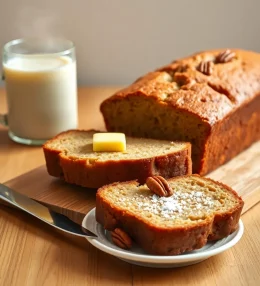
(42, 212)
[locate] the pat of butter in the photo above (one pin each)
(109, 142)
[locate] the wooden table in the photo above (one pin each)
(31, 253)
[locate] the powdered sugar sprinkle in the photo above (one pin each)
(180, 202)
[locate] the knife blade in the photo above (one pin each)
(42, 212)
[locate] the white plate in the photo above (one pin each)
(137, 256)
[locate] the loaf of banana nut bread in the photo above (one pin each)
(168, 217)
(211, 99)
(70, 156)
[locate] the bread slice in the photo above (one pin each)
(69, 156)
(199, 210)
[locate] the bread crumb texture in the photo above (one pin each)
(193, 200)
(79, 145)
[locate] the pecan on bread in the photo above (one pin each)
(121, 238)
(159, 186)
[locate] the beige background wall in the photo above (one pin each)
(117, 41)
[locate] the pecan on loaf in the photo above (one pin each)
(205, 67)
(225, 57)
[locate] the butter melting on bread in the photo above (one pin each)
(211, 99)
(70, 156)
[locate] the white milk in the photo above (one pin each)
(41, 94)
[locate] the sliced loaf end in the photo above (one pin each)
(70, 155)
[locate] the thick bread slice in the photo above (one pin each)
(69, 155)
(199, 210)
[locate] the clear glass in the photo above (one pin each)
(41, 89)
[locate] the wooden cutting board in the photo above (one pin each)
(242, 174)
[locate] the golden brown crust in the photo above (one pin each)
(218, 99)
(99, 173)
(232, 135)
(162, 240)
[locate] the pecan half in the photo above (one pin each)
(225, 57)
(206, 67)
(159, 186)
(121, 238)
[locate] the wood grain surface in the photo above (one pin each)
(72, 201)
(32, 253)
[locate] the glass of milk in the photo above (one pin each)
(41, 89)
